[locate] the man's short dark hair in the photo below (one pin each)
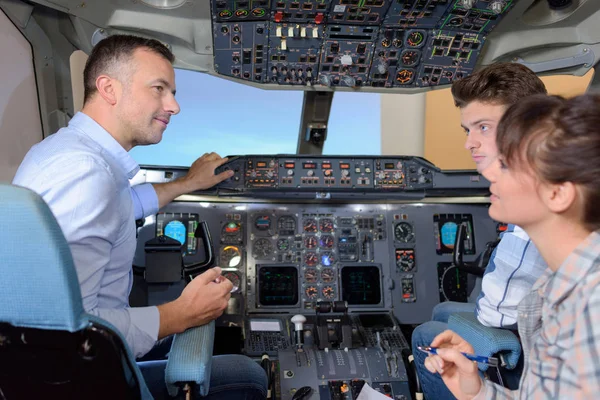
(110, 53)
(499, 84)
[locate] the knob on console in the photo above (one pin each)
(298, 320)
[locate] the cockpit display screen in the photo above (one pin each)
(445, 229)
(179, 226)
(361, 285)
(278, 286)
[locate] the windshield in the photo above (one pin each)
(229, 118)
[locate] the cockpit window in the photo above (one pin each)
(354, 124)
(229, 118)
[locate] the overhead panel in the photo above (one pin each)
(352, 43)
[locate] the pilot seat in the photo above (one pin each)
(49, 346)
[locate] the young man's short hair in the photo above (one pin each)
(498, 84)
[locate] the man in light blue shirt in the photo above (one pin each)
(83, 173)
(515, 264)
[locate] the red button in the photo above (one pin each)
(278, 16)
(319, 18)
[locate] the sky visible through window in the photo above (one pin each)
(230, 118)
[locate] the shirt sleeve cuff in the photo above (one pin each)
(147, 322)
(147, 203)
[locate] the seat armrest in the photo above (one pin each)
(190, 359)
(486, 341)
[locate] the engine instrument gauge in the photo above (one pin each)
(327, 259)
(326, 225)
(310, 242)
(328, 292)
(310, 275)
(327, 275)
(311, 259)
(309, 225)
(311, 292)
(326, 241)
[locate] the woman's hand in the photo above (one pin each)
(458, 372)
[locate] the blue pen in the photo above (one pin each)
(491, 361)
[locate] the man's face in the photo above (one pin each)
(480, 120)
(148, 99)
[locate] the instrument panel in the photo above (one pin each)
(274, 175)
(352, 43)
(285, 257)
(357, 267)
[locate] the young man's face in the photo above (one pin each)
(480, 120)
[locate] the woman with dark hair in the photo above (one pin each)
(546, 180)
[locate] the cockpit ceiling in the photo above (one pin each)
(365, 45)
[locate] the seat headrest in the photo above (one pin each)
(38, 282)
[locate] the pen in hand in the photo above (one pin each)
(491, 361)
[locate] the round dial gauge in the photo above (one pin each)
(405, 261)
(283, 244)
(327, 259)
(405, 76)
(262, 248)
(328, 292)
(327, 275)
(326, 241)
(415, 39)
(309, 225)
(326, 225)
(231, 232)
(231, 257)
(286, 225)
(311, 292)
(310, 242)
(403, 232)
(410, 57)
(235, 280)
(311, 259)
(310, 275)
(262, 222)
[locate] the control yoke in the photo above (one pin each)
(164, 258)
(478, 266)
(194, 269)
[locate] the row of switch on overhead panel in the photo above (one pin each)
(291, 32)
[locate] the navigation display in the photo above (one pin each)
(361, 285)
(278, 286)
